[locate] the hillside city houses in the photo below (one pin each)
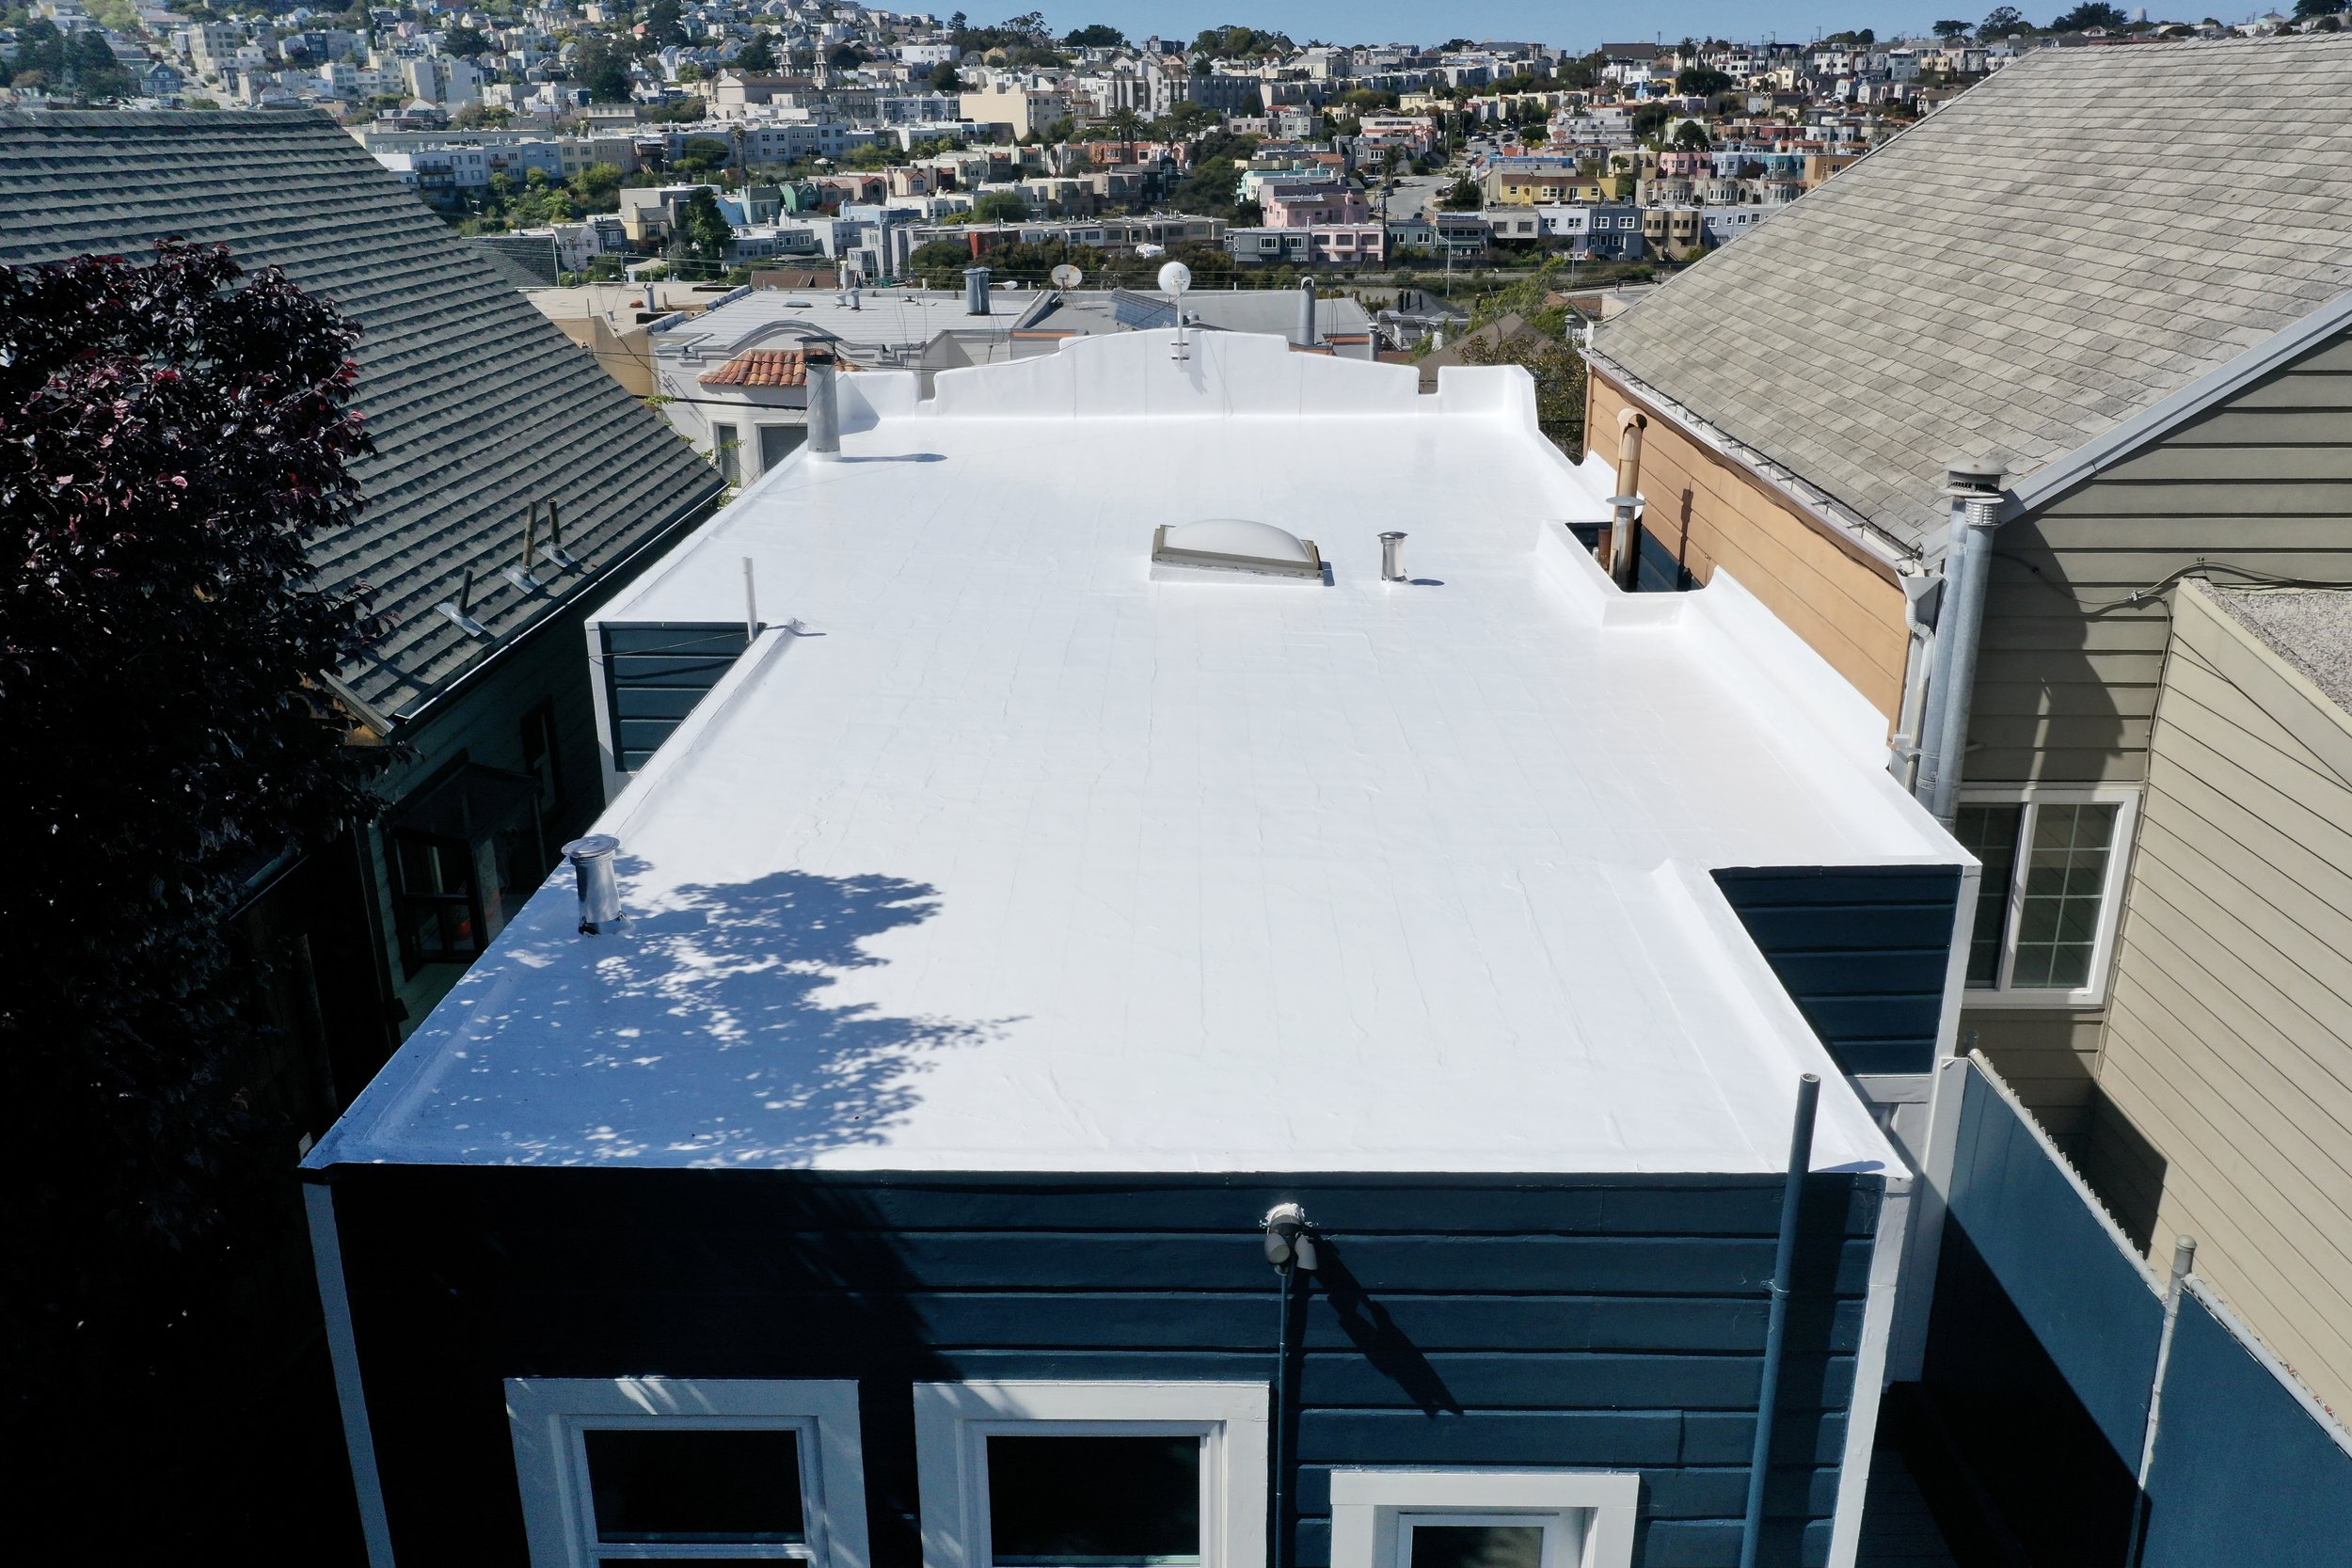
(1230, 802)
(850, 138)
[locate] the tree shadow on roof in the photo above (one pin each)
(700, 1033)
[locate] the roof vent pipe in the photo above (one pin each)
(599, 881)
(975, 290)
(825, 401)
(1392, 557)
(1307, 314)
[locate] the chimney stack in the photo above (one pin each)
(1307, 314)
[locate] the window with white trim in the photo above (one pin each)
(619, 1471)
(2047, 910)
(1093, 1475)
(1469, 1519)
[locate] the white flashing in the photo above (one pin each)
(1896, 1209)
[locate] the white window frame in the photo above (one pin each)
(2032, 796)
(953, 1422)
(1371, 1508)
(548, 1417)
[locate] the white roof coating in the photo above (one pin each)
(1003, 856)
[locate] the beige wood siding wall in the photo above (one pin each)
(2263, 481)
(2228, 1049)
(1713, 513)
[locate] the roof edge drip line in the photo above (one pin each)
(1877, 541)
(2161, 419)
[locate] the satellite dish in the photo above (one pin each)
(1175, 277)
(1151, 250)
(1065, 277)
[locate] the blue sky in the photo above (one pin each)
(1394, 21)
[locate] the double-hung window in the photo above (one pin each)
(1476, 1518)
(2045, 925)
(620, 1471)
(1093, 1475)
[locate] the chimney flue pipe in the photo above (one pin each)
(975, 290)
(824, 402)
(1307, 314)
(599, 881)
(1392, 557)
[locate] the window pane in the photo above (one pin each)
(1478, 1546)
(1063, 1501)
(2066, 871)
(695, 1485)
(1990, 833)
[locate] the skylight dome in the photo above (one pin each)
(1236, 545)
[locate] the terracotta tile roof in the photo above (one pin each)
(760, 367)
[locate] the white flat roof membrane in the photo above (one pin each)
(1012, 857)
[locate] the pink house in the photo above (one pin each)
(1311, 206)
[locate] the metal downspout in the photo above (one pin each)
(1776, 1324)
(1290, 1246)
(2184, 1264)
(1959, 627)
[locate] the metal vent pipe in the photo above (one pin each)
(1307, 314)
(599, 881)
(1959, 623)
(824, 401)
(975, 290)
(1392, 557)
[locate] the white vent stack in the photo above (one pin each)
(1175, 278)
(975, 290)
(599, 881)
(1307, 314)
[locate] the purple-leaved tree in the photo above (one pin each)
(174, 436)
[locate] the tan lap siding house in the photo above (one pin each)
(1710, 511)
(2228, 1039)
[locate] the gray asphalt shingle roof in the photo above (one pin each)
(477, 404)
(2061, 246)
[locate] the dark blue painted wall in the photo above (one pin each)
(655, 671)
(2244, 1473)
(1552, 1322)
(1861, 950)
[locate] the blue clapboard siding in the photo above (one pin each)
(1584, 1322)
(2244, 1472)
(655, 671)
(1861, 950)
(1657, 569)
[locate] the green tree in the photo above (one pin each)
(703, 155)
(665, 23)
(2093, 14)
(758, 57)
(1951, 30)
(1698, 81)
(2002, 21)
(1096, 37)
(1463, 197)
(999, 207)
(703, 231)
(943, 77)
(178, 436)
(1690, 136)
(602, 67)
(465, 43)
(597, 187)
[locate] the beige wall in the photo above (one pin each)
(2226, 1068)
(1714, 513)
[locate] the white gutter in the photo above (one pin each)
(1875, 541)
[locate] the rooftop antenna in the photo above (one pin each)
(1175, 278)
(456, 610)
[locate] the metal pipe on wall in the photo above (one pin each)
(824, 401)
(1961, 626)
(1290, 1246)
(1631, 423)
(1776, 1321)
